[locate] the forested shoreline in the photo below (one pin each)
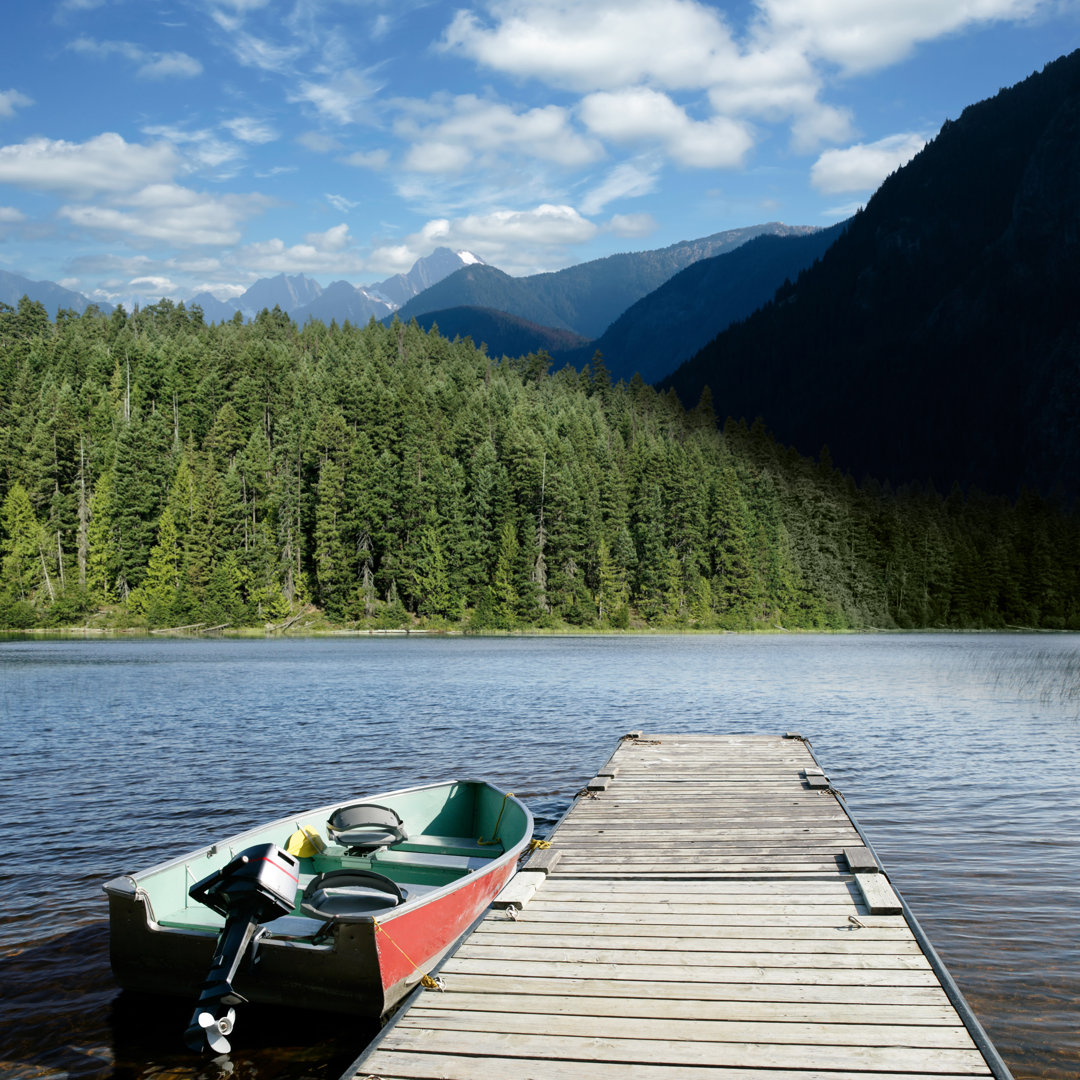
(158, 471)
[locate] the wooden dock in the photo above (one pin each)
(707, 908)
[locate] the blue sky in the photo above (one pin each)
(164, 148)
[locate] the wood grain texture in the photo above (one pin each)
(699, 917)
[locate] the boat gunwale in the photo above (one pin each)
(128, 886)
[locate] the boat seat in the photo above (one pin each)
(345, 894)
(363, 827)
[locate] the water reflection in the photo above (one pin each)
(958, 753)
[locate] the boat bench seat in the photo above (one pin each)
(195, 917)
(295, 927)
(431, 844)
(399, 858)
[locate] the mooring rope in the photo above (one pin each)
(425, 980)
(498, 821)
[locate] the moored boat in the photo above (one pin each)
(343, 908)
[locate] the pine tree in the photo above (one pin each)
(611, 593)
(159, 593)
(330, 553)
(24, 564)
(506, 599)
(103, 550)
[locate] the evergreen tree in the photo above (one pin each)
(159, 593)
(103, 549)
(222, 474)
(22, 547)
(505, 599)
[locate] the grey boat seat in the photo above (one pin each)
(364, 827)
(345, 894)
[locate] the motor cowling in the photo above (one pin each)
(261, 880)
(258, 885)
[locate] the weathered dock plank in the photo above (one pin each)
(707, 904)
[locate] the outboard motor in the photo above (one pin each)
(260, 884)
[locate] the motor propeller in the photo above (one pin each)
(213, 1029)
(258, 885)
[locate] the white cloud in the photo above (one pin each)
(79, 5)
(778, 67)
(204, 149)
(256, 52)
(437, 157)
(393, 259)
(103, 50)
(335, 238)
(776, 81)
(517, 241)
(368, 159)
(587, 46)
(842, 213)
(104, 163)
(219, 290)
(250, 130)
(152, 283)
(642, 114)
(9, 215)
(152, 65)
(317, 142)
(545, 224)
(340, 203)
(631, 225)
(10, 100)
(626, 181)
(862, 167)
(171, 214)
(344, 99)
(330, 252)
(862, 35)
(174, 65)
(447, 133)
(818, 124)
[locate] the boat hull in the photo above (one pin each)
(362, 966)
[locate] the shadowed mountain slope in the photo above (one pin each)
(939, 338)
(664, 329)
(502, 334)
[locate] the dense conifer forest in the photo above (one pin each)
(156, 470)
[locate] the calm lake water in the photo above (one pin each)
(959, 755)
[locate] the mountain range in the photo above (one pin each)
(53, 297)
(584, 299)
(303, 299)
(932, 338)
(648, 320)
(938, 339)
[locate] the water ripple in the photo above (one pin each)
(958, 754)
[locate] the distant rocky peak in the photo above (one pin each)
(426, 271)
(287, 292)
